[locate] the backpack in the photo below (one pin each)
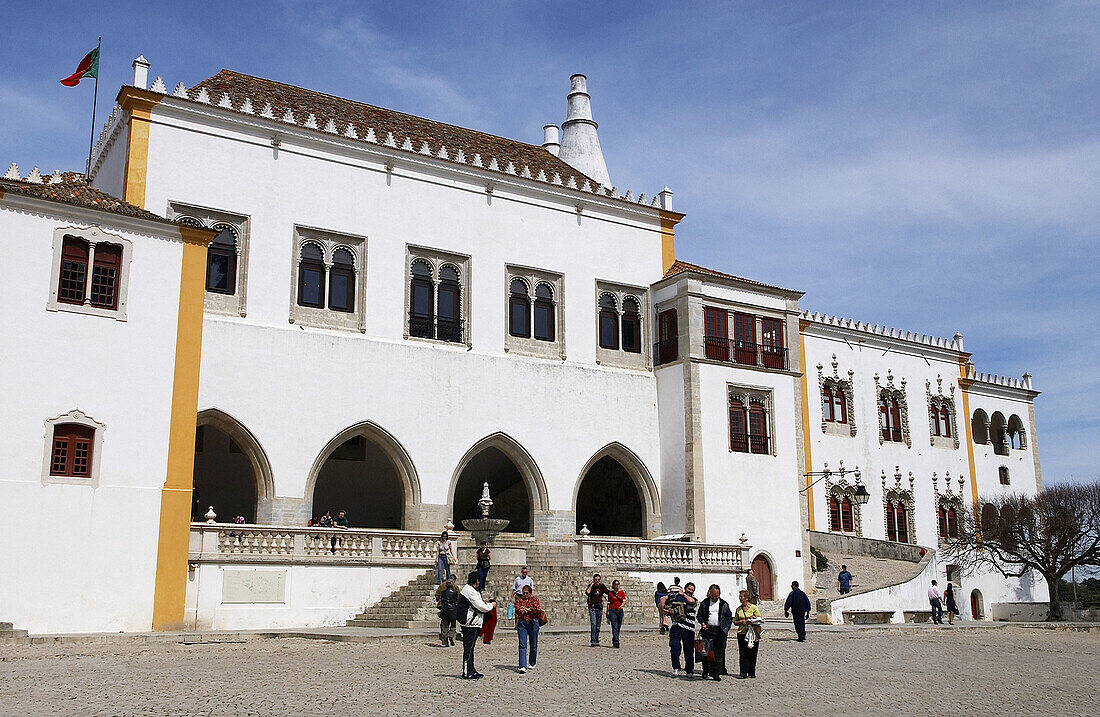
(448, 604)
(462, 613)
(676, 610)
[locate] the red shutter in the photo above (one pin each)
(834, 514)
(827, 405)
(717, 334)
(72, 450)
(73, 273)
(846, 522)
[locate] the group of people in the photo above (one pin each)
(446, 557)
(475, 616)
(327, 521)
(943, 603)
(714, 618)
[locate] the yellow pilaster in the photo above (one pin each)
(669, 220)
(964, 384)
(806, 430)
(175, 497)
(139, 105)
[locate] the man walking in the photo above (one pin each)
(799, 604)
(471, 616)
(934, 598)
(681, 608)
(520, 581)
(844, 581)
(716, 619)
(595, 592)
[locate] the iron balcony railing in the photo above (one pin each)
(666, 351)
(432, 327)
(746, 443)
(746, 353)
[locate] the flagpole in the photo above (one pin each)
(95, 96)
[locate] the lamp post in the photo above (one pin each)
(861, 494)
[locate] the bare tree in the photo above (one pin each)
(1050, 533)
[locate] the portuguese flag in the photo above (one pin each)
(88, 67)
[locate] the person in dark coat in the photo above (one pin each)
(799, 604)
(952, 606)
(716, 619)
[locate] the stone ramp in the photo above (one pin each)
(560, 589)
(868, 573)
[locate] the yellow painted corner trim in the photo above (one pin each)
(806, 442)
(964, 384)
(175, 498)
(668, 240)
(195, 235)
(140, 105)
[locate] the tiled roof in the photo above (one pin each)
(78, 194)
(419, 130)
(679, 267)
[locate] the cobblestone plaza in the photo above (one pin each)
(915, 671)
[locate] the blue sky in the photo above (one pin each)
(930, 166)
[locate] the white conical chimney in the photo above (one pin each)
(580, 146)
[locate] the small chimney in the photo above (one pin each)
(550, 139)
(666, 199)
(580, 146)
(141, 72)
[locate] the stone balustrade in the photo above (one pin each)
(661, 554)
(230, 543)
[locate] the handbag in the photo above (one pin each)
(700, 649)
(542, 618)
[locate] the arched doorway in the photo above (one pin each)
(762, 571)
(608, 501)
(231, 471)
(977, 609)
(365, 472)
(507, 488)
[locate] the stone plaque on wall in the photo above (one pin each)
(253, 586)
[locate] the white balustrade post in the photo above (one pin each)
(376, 547)
(643, 554)
(209, 540)
(299, 549)
(587, 555)
(695, 549)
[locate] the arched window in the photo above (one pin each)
(889, 418)
(74, 271)
(71, 454)
(989, 517)
(449, 305)
(544, 312)
(840, 405)
(609, 322)
(952, 523)
(834, 514)
(758, 428)
(903, 523)
(891, 522)
(846, 522)
(221, 263)
(979, 427)
(311, 277)
(1002, 475)
(632, 325)
(998, 432)
(945, 422)
(1016, 438)
(935, 414)
(827, 404)
(519, 309)
(739, 427)
(341, 295)
(421, 301)
(941, 523)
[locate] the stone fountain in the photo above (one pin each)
(485, 528)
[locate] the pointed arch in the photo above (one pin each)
(528, 469)
(249, 445)
(648, 493)
(392, 449)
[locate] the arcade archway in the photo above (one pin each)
(231, 470)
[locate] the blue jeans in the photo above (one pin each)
(528, 631)
(615, 617)
(681, 639)
(442, 569)
(595, 619)
(937, 611)
(482, 573)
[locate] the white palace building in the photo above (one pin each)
(286, 303)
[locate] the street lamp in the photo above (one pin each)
(861, 495)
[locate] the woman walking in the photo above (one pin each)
(615, 599)
(658, 597)
(952, 606)
(747, 646)
(484, 558)
(528, 612)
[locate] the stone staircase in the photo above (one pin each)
(559, 587)
(9, 635)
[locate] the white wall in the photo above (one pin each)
(314, 596)
(74, 557)
(671, 412)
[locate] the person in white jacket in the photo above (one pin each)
(471, 616)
